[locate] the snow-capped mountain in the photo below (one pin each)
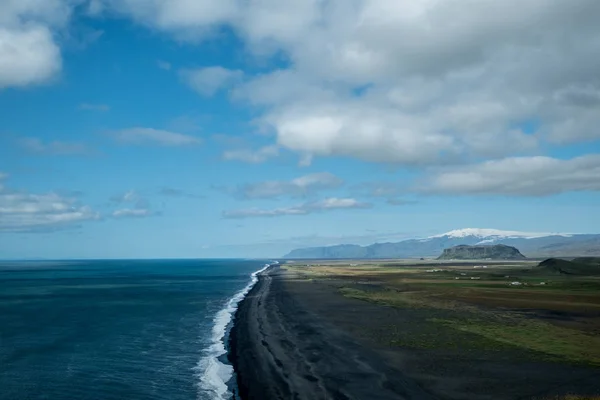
(529, 243)
(495, 234)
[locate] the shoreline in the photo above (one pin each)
(301, 338)
(211, 370)
(280, 350)
(233, 345)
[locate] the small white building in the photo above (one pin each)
(516, 283)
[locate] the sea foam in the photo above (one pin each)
(212, 373)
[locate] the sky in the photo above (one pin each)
(247, 128)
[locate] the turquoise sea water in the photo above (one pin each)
(150, 329)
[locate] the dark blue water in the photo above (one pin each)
(117, 329)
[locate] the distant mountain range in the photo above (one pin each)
(530, 244)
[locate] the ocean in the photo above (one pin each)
(119, 329)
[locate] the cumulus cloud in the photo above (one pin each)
(24, 212)
(252, 156)
(94, 107)
(29, 53)
(184, 18)
(141, 136)
(301, 186)
(37, 146)
(207, 81)
(329, 204)
(519, 176)
(409, 82)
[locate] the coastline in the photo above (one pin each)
(300, 338)
(233, 342)
(214, 375)
(279, 350)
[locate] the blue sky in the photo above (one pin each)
(143, 128)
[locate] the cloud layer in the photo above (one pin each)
(144, 136)
(521, 176)
(24, 212)
(298, 187)
(329, 204)
(252, 156)
(207, 81)
(56, 148)
(406, 82)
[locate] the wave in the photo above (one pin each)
(212, 373)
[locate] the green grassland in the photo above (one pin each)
(547, 314)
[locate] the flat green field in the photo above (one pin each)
(480, 305)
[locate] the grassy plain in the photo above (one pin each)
(474, 306)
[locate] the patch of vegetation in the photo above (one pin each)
(534, 335)
(490, 330)
(572, 397)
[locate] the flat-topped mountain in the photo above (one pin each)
(480, 252)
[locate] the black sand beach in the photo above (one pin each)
(300, 339)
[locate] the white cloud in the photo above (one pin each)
(519, 176)
(301, 186)
(329, 204)
(439, 80)
(21, 211)
(37, 146)
(412, 82)
(252, 156)
(28, 55)
(154, 136)
(190, 19)
(132, 213)
(207, 81)
(94, 107)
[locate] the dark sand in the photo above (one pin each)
(297, 339)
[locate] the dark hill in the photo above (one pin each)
(480, 252)
(574, 267)
(587, 260)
